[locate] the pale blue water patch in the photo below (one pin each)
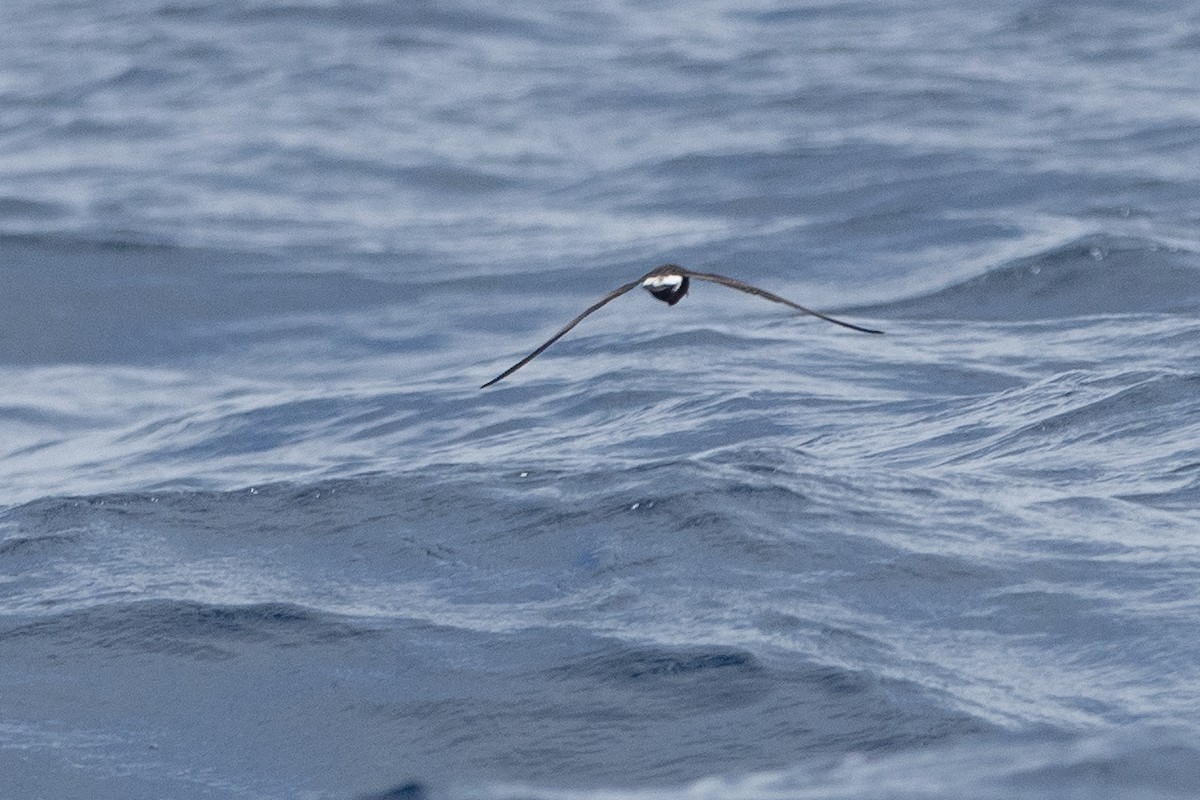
(263, 536)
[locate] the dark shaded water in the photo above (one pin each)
(262, 536)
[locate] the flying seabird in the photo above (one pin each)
(669, 283)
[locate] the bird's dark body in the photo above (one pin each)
(670, 294)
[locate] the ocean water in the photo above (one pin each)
(262, 535)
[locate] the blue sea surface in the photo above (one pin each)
(262, 535)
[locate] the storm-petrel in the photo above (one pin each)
(669, 283)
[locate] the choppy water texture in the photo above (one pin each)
(262, 536)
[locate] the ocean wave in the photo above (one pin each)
(262, 534)
(185, 629)
(1100, 274)
(1152, 764)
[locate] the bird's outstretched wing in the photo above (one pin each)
(608, 298)
(733, 283)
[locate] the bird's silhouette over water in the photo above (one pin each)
(669, 283)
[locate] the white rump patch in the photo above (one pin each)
(659, 281)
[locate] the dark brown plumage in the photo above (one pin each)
(661, 282)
